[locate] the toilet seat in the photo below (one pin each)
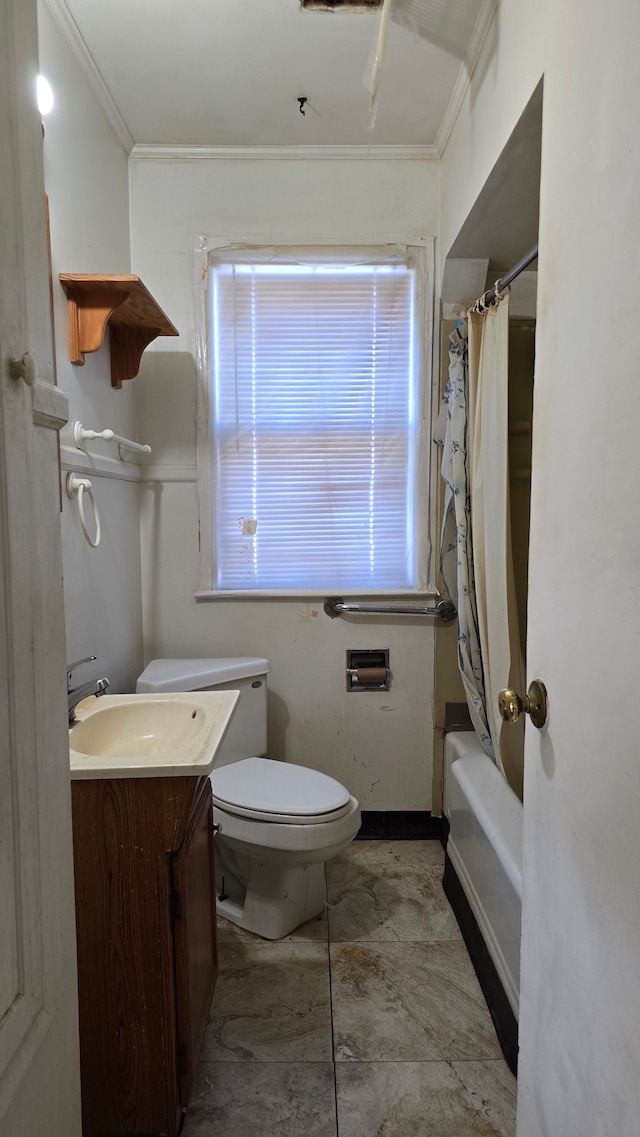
(264, 790)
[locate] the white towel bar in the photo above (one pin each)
(82, 435)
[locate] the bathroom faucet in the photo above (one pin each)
(75, 695)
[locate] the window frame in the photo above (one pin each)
(419, 251)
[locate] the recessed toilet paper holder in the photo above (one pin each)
(368, 670)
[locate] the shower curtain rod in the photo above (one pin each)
(489, 297)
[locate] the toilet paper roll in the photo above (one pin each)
(371, 675)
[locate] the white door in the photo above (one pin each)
(39, 1065)
(579, 1071)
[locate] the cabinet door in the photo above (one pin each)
(121, 832)
(194, 912)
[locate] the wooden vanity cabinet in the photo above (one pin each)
(147, 955)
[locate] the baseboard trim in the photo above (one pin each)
(399, 825)
(499, 1006)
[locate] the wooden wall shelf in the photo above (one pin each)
(96, 300)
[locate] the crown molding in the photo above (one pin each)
(483, 24)
(73, 36)
(152, 152)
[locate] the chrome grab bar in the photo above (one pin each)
(444, 609)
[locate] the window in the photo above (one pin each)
(312, 365)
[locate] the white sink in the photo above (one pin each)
(149, 736)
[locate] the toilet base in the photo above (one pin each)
(270, 876)
(275, 902)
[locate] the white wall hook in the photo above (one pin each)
(23, 368)
(78, 486)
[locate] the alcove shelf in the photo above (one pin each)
(122, 302)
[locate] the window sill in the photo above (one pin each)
(204, 595)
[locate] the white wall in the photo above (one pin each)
(506, 74)
(86, 180)
(379, 745)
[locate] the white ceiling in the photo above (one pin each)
(217, 73)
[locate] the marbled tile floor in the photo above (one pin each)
(366, 1022)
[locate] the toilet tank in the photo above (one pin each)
(247, 733)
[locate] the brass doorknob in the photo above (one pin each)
(534, 703)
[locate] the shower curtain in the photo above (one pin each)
(456, 559)
(476, 558)
(502, 661)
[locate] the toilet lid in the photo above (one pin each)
(278, 791)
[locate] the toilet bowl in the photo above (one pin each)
(276, 823)
(274, 840)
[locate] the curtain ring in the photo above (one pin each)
(482, 305)
(498, 294)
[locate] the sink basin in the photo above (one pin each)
(142, 736)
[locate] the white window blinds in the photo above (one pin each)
(313, 425)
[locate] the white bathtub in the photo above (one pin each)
(485, 849)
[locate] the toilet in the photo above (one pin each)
(278, 822)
